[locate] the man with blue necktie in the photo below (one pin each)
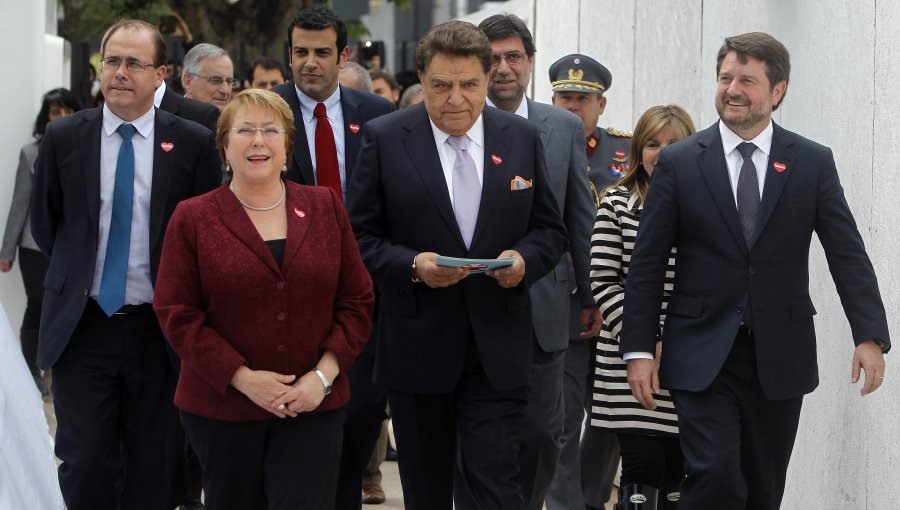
(106, 182)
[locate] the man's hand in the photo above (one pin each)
(643, 378)
(868, 357)
(5, 265)
(509, 276)
(436, 276)
(591, 321)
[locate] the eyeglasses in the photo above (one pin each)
(133, 65)
(512, 58)
(249, 132)
(216, 81)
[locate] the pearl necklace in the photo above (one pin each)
(248, 206)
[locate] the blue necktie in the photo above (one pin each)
(115, 266)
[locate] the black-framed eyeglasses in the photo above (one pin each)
(216, 81)
(512, 58)
(133, 65)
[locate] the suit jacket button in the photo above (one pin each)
(740, 309)
(752, 270)
(279, 285)
(280, 316)
(86, 292)
(281, 348)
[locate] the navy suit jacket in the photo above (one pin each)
(204, 114)
(65, 208)
(399, 206)
(358, 108)
(691, 205)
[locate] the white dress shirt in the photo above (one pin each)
(735, 161)
(158, 95)
(448, 153)
(335, 115)
(138, 288)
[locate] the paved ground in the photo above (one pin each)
(390, 477)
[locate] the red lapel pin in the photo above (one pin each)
(779, 167)
(354, 128)
(299, 213)
(167, 146)
(620, 154)
(496, 159)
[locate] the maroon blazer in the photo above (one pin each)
(223, 302)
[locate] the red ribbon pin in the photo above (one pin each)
(299, 213)
(496, 159)
(779, 167)
(620, 154)
(167, 146)
(354, 128)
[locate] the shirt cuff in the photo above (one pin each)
(637, 355)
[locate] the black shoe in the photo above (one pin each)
(193, 505)
(41, 385)
(391, 455)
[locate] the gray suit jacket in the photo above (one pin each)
(563, 140)
(18, 228)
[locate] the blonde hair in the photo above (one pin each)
(636, 180)
(261, 98)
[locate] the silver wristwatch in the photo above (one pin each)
(324, 379)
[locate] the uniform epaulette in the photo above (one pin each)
(621, 133)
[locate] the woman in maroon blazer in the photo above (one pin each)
(263, 294)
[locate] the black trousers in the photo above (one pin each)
(461, 445)
(362, 424)
(33, 265)
(737, 443)
(277, 464)
(651, 460)
(116, 433)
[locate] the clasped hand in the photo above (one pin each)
(275, 392)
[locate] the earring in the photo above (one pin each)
(227, 168)
(284, 167)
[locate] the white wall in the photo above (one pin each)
(23, 78)
(843, 93)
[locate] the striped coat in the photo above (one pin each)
(613, 406)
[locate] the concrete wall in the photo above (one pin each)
(846, 63)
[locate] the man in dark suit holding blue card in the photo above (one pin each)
(454, 350)
(741, 201)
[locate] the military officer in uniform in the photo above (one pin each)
(587, 464)
(579, 85)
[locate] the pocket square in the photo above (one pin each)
(520, 183)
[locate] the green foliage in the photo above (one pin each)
(82, 20)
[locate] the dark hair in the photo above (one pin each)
(320, 18)
(457, 38)
(159, 44)
(762, 46)
(59, 97)
(386, 76)
(268, 63)
(503, 26)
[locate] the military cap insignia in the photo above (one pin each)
(576, 75)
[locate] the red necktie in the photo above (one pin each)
(327, 173)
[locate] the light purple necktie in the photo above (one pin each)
(466, 188)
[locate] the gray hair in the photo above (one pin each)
(409, 94)
(198, 54)
(362, 76)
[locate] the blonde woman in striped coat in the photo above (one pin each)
(651, 456)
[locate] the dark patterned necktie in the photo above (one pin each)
(748, 193)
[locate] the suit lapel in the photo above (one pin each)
(495, 179)
(419, 144)
(714, 168)
(354, 118)
(775, 180)
(89, 133)
(164, 163)
(298, 219)
(540, 118)
(236, 220)
(302, 160)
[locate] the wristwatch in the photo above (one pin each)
(324, 379)
(415, 278)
